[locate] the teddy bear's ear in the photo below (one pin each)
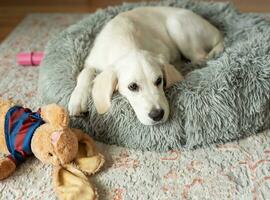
(70, 183)
(90, 164)
(55, 115)
(87, 159)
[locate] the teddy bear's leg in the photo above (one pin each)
(7, 167)
(71, 184)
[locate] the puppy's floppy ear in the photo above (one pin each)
(171, 75)
(103, 88)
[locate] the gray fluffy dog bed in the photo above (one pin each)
(224, 99)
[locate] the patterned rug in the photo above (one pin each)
(238, 170)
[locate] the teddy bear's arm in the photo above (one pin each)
(7, 167)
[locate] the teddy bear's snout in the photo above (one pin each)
(66, 148)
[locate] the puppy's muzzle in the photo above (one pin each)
(156, 114)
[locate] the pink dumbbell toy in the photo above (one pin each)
(29, 58)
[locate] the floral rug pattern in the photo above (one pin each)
(237, 170)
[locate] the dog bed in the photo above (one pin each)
(224, 99)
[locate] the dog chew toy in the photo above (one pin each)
(45, 134)
(29, 58)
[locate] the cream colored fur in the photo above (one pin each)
(138, 46)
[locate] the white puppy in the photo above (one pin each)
(133, 52)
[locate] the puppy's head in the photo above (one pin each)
(140, 77)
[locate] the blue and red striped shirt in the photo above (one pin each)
(20, 125)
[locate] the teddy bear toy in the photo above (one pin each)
(45, 134)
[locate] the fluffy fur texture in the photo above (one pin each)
(125, 53)
(224, 99)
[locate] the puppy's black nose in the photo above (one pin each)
(156, 114)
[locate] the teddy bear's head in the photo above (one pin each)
(53, 142)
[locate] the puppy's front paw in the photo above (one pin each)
(77, 103)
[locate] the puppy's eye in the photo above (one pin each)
(133, 87)
(50, 154)
(158, 81)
